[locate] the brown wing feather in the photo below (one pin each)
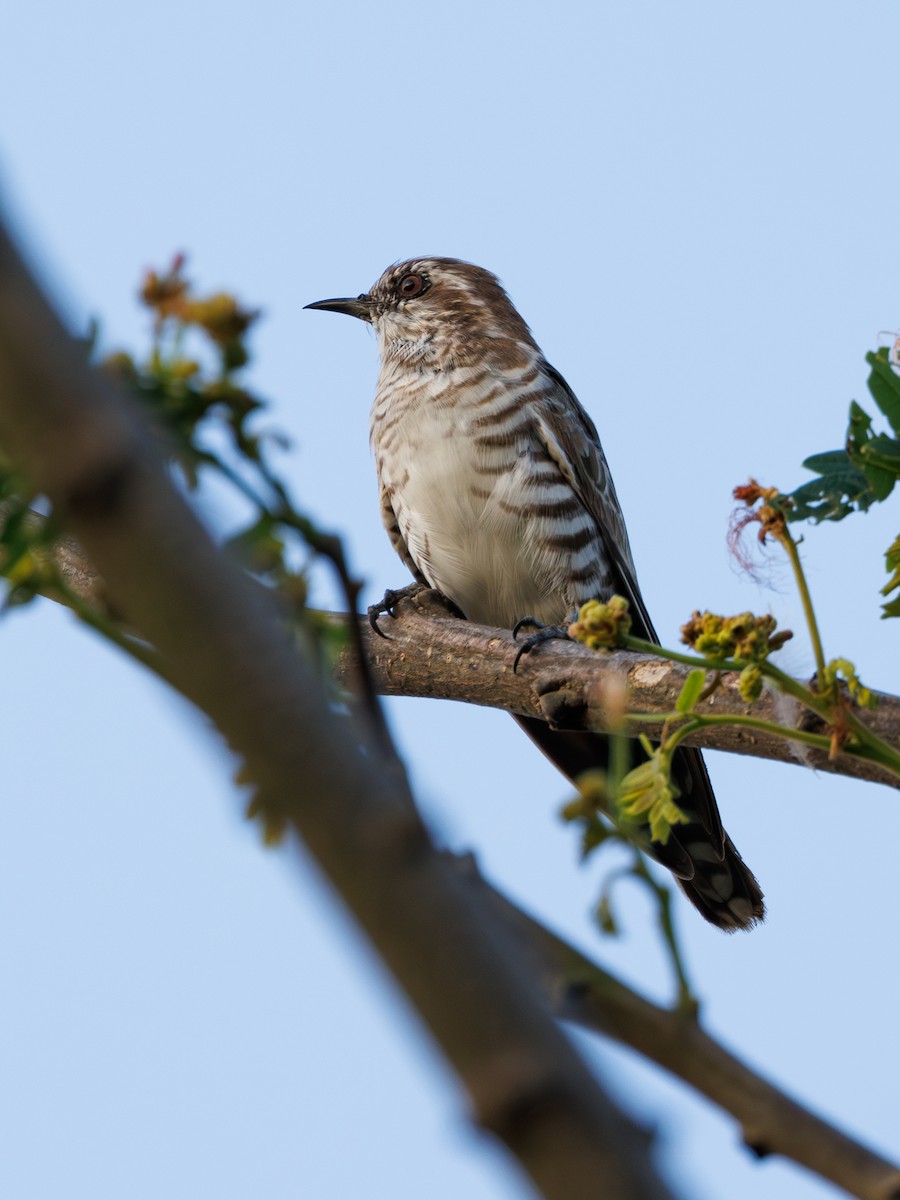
(389, 517)
(571, 439)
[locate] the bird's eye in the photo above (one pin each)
(412, 285)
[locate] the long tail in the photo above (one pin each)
(700, 854)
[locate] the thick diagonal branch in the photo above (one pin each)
(83, 445)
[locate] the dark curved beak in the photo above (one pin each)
(360, 307)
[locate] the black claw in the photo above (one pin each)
(545, 633)
(373, 621)
(387, 604)
(519, 625)
(390, 600)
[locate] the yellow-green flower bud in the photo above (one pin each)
(750, 683)
(602, 626)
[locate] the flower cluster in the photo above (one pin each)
(601, 626)
(179, 386)
(219, 316)
(744, 637)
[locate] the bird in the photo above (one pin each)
(496, 492)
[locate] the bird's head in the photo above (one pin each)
(438, 310)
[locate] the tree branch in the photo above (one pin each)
(427, 652)
(771, 1121)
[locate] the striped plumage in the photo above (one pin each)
(495, 491)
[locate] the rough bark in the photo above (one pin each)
(427, 652)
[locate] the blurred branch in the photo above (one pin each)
(81, 443)
(771, 1121)
(429, 653)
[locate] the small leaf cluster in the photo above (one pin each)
(189, 379)
(892, 566)
(26, 542)
(842, 672)
(197, 396)
(603, 823)
(868, 467)
(866, 470)
(648, 793)
(643, 796)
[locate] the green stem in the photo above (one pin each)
(812, 625)
(698, 721)
(628, 642)
(870, 748)
(816, 704)
(686, 1002)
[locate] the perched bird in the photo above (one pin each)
(496, 492)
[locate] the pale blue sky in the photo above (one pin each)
(694, 206)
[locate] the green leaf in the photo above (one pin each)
(883, 450)
(884, 384)
(691, 690)
(880, 481)
(860, 425)
(841, 488)
(828, 462)
(877, 457)
(892, 609)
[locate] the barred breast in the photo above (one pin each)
(484, 511)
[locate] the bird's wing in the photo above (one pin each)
(572, 441)
(391, 524)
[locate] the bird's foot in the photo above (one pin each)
(390, 600)
(543, 633)
(388, 604)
